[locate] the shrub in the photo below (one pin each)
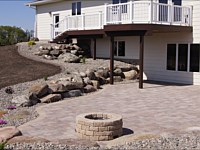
(2, 146)
(45, 78)
(83, 59)
(31, 43)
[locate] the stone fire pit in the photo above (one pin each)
(99, 126)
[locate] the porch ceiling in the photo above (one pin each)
(149, 28)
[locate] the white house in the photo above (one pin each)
(167, 31)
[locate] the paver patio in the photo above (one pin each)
(154, 109)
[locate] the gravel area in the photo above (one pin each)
(186, 141)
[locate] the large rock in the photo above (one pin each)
(74, 52)
(130, 75)
(75, 93)
(118, 72)
(56, 88)
(39, 89)
(86, 81)
(48, 57)
(55, 52)
(22, 101)
(51, 98)
(33, 99)
(27, 139)
(76, 47)
(102, 73)
(44, 52)
(69, 85)
(96, 84)
(70, 58)
(7, 133)
(90, 74)
(89, 88)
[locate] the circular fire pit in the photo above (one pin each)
(99, 126)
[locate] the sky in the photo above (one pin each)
(15, 13)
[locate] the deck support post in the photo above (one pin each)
(111, 59)
(94, 49)
(141, 61)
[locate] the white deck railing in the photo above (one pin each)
(127, 13)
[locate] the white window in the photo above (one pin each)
(119, 48)
(76, 8)
(183, 57)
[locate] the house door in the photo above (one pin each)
(56, 19)
(163, 11)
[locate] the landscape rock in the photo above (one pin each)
(118, 72)
(57, 47)
(82, 74)
(76, 47)
(56, 88)
(27, 139)
(70, 58)
(7, 133)
(48, 57)
(21, 100)
(102, 72)
(49, 48)
(75, 93)
(40, 89)
(89, 88)
(33, 99)
(65, 95)
(90, 74)
(55, 52)
(44, 52)
(75, 52)
(69, 85)
(51, 98)
(96, 84)
(130, 75)
(86, 81)
(117, 78)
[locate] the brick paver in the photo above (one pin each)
(154, 109)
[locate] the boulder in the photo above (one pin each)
(76, 47)
(86, 81)
(82, 74)
(44, 52)
(56, 88)
(75, 52)
(118, 72)
(57, 47)
(96, 84)
(49, 48)
(41, 48)
(48, 57)
(130, 75)
(21, 101)
(117, 79)
(38, 53)
(102, 72)
(51, 98)
(89, 88)
(90, 74)
(27, 139)
(55, 52)
(75, 93)
(130, 67)
(69, 85)
(33, 99)
(70, 58)
(65, 95)
(40, 89)
(6, 133)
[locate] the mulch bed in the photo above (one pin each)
(15, 68)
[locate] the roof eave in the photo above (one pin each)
(41, 2)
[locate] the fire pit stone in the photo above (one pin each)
(99, 126)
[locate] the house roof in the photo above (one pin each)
(41, 2)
